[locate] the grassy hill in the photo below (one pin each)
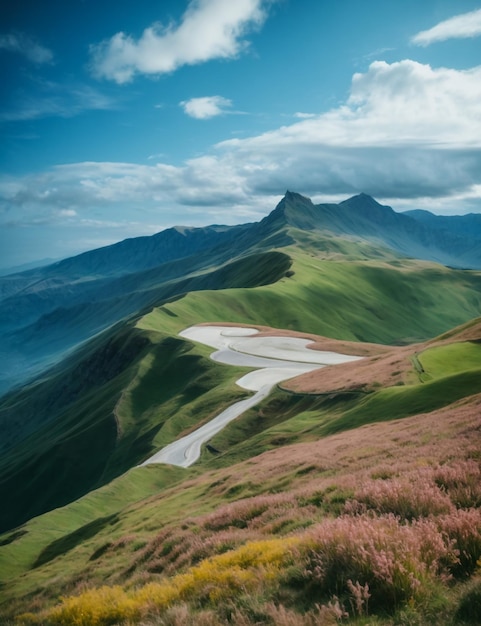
(140, 387)
(108, 400)
(351, 493)
(49, 310)
(238, 536)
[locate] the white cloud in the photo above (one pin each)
(67, 213)
(209, 29)
(407, 130)
(206, 107)
(404, 103)
(304, 116)
(408, 134)
(458, 27)
(27, 47)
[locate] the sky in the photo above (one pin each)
(121, 119)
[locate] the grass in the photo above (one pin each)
(399, 402)
(105, 409)
(450, 359)
(121, 415)
(56, 532)
(115, 426)
(367, 563)
(286, 418)
(360, 301)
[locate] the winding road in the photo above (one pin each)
(276, 359)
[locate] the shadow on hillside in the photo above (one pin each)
(70, 541)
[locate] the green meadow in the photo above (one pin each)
(91, 516)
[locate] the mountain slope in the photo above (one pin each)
(52, 423)
(278, 474)
(47, 311)
(365, 219)
(91, 394)
(466, 225)
(342, 461)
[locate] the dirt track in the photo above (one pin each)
(277, 358)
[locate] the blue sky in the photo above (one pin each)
(122, 119)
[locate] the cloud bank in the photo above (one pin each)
(209, 29)
(408, 133)
(458, 27)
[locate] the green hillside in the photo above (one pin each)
(145, 530)
(99, 414)
(77, 512)
(397, 302)
(107, 411)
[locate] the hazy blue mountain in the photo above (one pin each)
(365, 219)
(24, 267)
(467, 225)
(47, 310)
(126, 257)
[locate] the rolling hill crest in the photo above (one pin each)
(47, 311)
(98, 379)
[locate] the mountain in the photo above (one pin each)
(350, 458)
(466, 225)
(366, 220)
(49, 310)
(45, 312)
(17, 269)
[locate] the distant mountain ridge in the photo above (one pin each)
(468, 225)
(126, 257)
(362, 217)
(47, 310)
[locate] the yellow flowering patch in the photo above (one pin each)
(214, 579)
(105, 605)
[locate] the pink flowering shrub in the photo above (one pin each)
(463, 528)
(421, 493)
(241, 514)
(326, 614)
(381, 557)
(408, 497)
(461, 481)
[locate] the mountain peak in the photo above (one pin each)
(361, 198)
(294, 196)
(367, 206)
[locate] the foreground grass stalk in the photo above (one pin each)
(360, 563)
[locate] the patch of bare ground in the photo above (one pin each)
(394, 367)
(387, 367)
(467, 332)
(382, 366)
